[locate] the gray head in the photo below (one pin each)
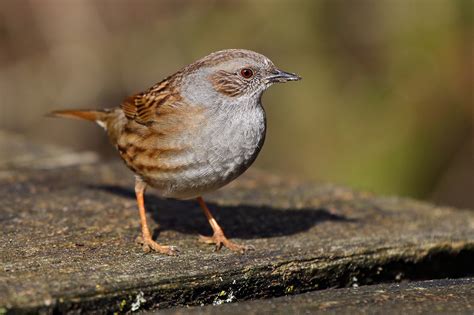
(232, 75)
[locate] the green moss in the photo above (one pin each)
(122, 305)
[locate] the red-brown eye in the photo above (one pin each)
(246, 73)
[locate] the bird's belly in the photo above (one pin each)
(212, 161)
(203, 173)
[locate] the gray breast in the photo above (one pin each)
(235, 141)
(224, 148)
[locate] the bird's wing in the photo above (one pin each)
(145, 107)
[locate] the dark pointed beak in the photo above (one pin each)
(279, 76)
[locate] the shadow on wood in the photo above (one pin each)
(245, 222)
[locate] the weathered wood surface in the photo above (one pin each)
(16, 152)
(67, 241)
(448, 296)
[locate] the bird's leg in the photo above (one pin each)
(145, 240)
(218, 238)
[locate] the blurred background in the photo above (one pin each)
(386, 103)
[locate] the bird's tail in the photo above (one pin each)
(97, 115)
(86, 114)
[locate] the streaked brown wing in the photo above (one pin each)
(144, 107)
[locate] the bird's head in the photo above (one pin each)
(232, 74)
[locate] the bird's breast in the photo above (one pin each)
(224, 146)
(231, 142)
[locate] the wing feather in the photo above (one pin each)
(144, 107)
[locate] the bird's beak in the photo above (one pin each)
(279, 76)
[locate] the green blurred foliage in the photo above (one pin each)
(385, 103)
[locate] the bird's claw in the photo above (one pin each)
(220, 240)
(148, 245)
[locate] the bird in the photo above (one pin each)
(192, 133)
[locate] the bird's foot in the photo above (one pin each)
(148, 244)
(220, 240)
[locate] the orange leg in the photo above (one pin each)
(145, 240)
(218, 238)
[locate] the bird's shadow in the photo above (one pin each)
(243, 221)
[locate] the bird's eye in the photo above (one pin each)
(246, 73)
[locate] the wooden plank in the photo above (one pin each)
(67, 241)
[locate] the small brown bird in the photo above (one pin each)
(193, 132)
